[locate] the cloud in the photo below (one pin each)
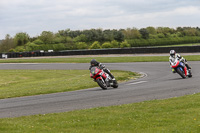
(36, 16)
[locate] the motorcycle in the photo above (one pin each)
(102, 78)
(181, 69)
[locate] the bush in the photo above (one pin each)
(31, 46)
(81, 45)
(107, 45)
(95, 45)
(38, 41)
(115, 44)
(124, 44)
(57, 47)
(12, 50)
(20, 49)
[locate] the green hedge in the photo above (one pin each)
(163, 41)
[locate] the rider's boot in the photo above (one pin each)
(188, 67)
(108, 72)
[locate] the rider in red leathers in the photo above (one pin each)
(93, 63)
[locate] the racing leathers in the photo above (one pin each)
(101, 66)
(180, 58)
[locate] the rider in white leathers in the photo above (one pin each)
(174, 55)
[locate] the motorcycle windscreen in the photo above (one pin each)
(94, 70)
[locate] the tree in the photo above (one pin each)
(132, 33)
(81, 38)
(151, 30)
(21, 38)
(47, 37)
(118, 35)
(144, 32)
(7, 44)
(190, 32)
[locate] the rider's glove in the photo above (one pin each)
(173, 70)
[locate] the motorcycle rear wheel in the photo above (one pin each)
(102, 84)
(115, 84)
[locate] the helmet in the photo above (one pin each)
(93, 62)
(172, 53)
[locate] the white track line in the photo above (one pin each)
(139, 82)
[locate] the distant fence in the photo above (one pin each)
(139, 50)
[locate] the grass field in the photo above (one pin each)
(16, 83)
(100, 59)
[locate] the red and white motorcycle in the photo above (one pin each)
(181, 69)
(102, 78)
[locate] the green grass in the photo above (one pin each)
(16, 83)
(100, 59)
(175, 115)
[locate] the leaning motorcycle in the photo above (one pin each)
(181, 69)
(102, 78)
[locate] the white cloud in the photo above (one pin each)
(36, 16)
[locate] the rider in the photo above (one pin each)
(93, 63)
(174, 55)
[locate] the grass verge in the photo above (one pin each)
(180, 115)
(100, 59)
(16, 83)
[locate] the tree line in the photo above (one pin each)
(99, 38)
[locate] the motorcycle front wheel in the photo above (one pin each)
(181, 73)
(102, 84)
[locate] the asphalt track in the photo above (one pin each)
(158, 83)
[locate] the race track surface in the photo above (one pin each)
(159, 83)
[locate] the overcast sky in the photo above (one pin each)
(35, 16)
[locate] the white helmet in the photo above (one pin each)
(172, 53)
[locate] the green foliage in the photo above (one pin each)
(163, 41)
(70, 40)
(151, 30)
(58, 47)
(20, 49)
(47, 37)
(124, 44)
(161, 35)
(21, 38)
(12, 50)
(81, 38)
(81, 45)
(132, 33)
(38, 41)
(115, 44)
(95, 45)
(144, 32)
(107, 45)
(32, 46)
(7, 44)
